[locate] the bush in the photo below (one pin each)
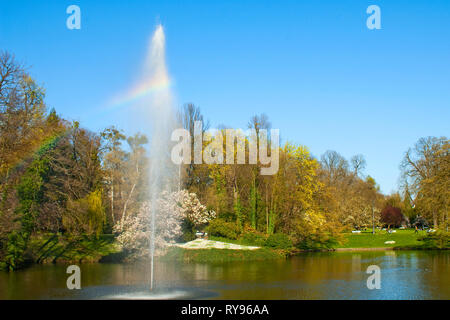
(220, 228)
(320, 241)
(189, 231)
(253, 238)
(437, 239)
(15, 251)
(279, 241)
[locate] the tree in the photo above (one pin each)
(391, 216)
(257, 123)
(134, 233)
(193, 210)
(85, 216)
(426, 175)
(135, 174)
(24, 135)
(358, 164)
(113, 162)
(75, 180)
(22, 111)
(192, 175)
(295, 187)
(334, 165)
(353, 199)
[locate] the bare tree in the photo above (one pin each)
(334, 164)
(358, 164)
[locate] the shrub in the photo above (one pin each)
(253, 237)
(437, 239)
(320, 241)
(221, 228)
(15, 251)
(279, 241)
(189, 231)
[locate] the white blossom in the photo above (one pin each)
(171, 209)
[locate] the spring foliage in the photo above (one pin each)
(171, 208)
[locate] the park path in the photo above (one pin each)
(211, 244)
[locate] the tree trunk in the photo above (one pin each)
(435, 223)
(267, 212)
(129, 196)
(126, 204)
(112, 198)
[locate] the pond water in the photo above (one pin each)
(337, 275)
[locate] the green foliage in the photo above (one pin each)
(322, 241)
(279, 241)
(30, 191)
(220, 228)
(438, 239)
(253, 238)
(221, 255)
(272, 220)
(45, 248)
(238, 211)
(66, 176)
(189, 231)
(253, 206)
(15, 251)
(51, 176)
(87, 215)
(95, 211)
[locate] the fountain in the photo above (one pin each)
(163, 173)
(156, 102)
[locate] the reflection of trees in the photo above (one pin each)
(356, 263)
(405, 275)
(437, 279)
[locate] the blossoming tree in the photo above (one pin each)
(171, 209)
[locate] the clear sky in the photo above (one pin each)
(323, 78)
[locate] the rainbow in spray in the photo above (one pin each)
(155, 80)
(141, 90)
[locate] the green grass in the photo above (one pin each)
(239, 241)
(49, 247)
(365, 239)
(404, 239)
(221, 255)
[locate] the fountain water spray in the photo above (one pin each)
(163, 173)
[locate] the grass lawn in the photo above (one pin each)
(241, 242)
(365, 239)
(404, 239)
(221, 255)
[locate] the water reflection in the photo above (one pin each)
(404, 275)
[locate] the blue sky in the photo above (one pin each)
(322, 77)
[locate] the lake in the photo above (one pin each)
(334, 275)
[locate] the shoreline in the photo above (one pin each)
(366, 249)
(388, 249)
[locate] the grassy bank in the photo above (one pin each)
(222, 255)
(55, 248)
(241, 242)
(404, 239)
